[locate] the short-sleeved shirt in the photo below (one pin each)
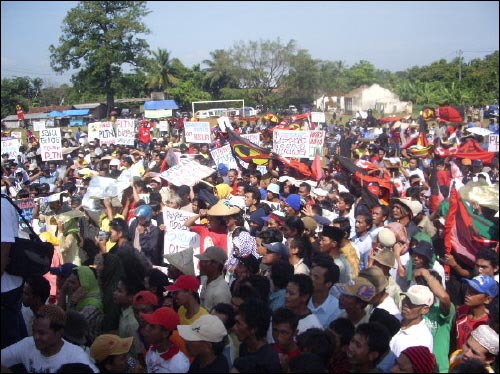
(266, 356)
(179, 363)
(25, 352)
(327, 311)
(440, 327)
(219, 365)
(415, 335)
(465, 325)
(187, 321)
(215, 292)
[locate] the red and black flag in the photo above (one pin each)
(450, 113)
(247, 151)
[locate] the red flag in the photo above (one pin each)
(450, 113)
(470, 149)
(316, 167)
(460, 235)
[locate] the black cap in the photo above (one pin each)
(251, 263)
(333, 233)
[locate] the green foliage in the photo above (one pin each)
(186, 92)
(20, 90)
(100, 38)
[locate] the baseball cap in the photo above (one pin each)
(64, 270)
(423, 249)
(293, 200)
(214, 253)
(274, 188)
(487, 337)
(258, 216)
(277, 247)
(185, 282)
(222, 169)
(360, 287)
(109, 345)
(310, 223)
(164, 316)
(420, 295)
(484, 284)
(145, 298)
(207, 328)
(277, 215)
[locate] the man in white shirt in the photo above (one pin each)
(414, 331)
(46, 350)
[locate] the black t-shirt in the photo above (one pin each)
(345, 146)
(266, 356)
(219, 365)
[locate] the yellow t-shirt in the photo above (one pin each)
(188, 321)
(105, 227)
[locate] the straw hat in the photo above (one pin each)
(223, 208)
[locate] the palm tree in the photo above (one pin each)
(160, 68)
(219, 72)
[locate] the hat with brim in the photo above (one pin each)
(66, 216)
(109, 345)
(360, 287)
(405, 202)
(385, 257)
(182, 260)
(207, 328)
(223, 208)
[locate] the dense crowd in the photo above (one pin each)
(339, 274)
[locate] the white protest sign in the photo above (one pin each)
(290, 143)
(224, 122)
(163, 126)
(16, 134)
(11, 147)
(254, 138)
(197, 132)
(223, 155)
(94, 131)
(186, 172)
(316, 142)
(125, 131)
(38, 125)
(179, 240)
(318, 117)
(493, 143)
(174, 219)
(107, 133)
(50, 144)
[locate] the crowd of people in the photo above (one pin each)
(334, 275)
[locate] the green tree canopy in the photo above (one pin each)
(100, 39)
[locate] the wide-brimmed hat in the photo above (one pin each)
(223, 208)
(182, 260)
(375, 276)
(385, 257)
(360, 287)
(405, 202)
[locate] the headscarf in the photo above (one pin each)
(72, 227)
(399, 231)
(422, 360)
(89, 283)
(223, 190)
(246, 245)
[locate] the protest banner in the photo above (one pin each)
(254, 138)
(186, 172)
(16, 134)
(318, 117)
(316, 143)
(38, 125)
(50, 144)
(10, 146)
(224, 122)
(493, 143)
(163, 126)
(290, 143)
(125, 131)
(93, 129)
(179, 240)
(174, 219)
(223, 155)
(107, 133)
(27, 207)
(197, 132)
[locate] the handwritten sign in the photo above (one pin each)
(11, 147)
(94, 131)
(223, 155)
(493, 143)
(318, 117)
(290, 143)
(174, 219)
(38, 125)
(186, 172)
(254, 138)
(107, 133)
(163, 126)
(197, 132)
(316, 143)
(125, 131)
(16, 134)
(179, 240)
(50, 144)
(27, 206)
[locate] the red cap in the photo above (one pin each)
(164, 316)
(145, 298)
(185, 282)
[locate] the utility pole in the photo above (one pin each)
(460, 65)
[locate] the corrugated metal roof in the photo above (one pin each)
(13, 117)
(87, 106)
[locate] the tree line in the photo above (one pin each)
(103, 41)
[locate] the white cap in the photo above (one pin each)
(274, 188)
(114, 162)
(487, 337)
(420, 295)
(207, 328)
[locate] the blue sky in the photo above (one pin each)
(391, 35)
